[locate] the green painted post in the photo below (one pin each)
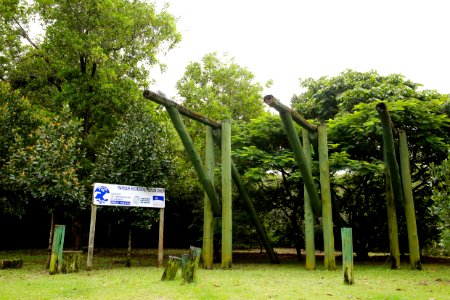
(347, 255)
(227, 245)
(294, 141)
(391, 160)
(392, 219)
(309, 217)
(413, 239)
(251, 209)
(57, 249)
(194, 157)
(208, 217)
(327, 213)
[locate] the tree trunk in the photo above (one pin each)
(128, 262)
(50, 240)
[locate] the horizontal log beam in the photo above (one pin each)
(281, 108)
(157, 98)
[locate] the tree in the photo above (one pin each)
(440, 176)
(263, 155)
(93, 55)
(141, 154)
(220, 89)
(45, 164)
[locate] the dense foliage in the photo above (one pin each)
(72, 113)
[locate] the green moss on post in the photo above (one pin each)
(56, 259)
(227, 226)
(392, 221)
(300, 159)
(327, 212)
(309, 216)
(347, 255)
(170, 272)
(413, 239)
(189, 263)
(195, 158)
(208, 217)
(391, 160)
(71, 261)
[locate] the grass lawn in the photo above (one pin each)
(252, 277)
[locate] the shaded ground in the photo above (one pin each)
(147, 257)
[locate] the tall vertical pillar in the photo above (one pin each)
(208, 229)
(227, 242)
(327, 214)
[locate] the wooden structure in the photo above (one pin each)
(56, 260)
(221, 134)
(398, 180)
(347, 255)
(71, 261)
(320, 206)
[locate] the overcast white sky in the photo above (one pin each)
(286, 40)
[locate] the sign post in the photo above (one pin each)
(105, 194)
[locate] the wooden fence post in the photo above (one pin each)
(208, 217)
(347, 255)
(309, 216)
(161, 238)
(413, 239)
(227, 226)
(392, 219)
(57, 249)
(91, 237)
(327, 212)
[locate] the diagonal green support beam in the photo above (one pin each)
(195, 158)
(300, 158)
(391, 159)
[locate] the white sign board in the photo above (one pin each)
(128, 195)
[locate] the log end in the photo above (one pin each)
(269, 99)
(381, 107)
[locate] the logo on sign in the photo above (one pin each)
(158, 198)
(102, 194)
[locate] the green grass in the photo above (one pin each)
(257, 279)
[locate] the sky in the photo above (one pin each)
(289, 40)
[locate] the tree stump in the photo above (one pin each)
(11, 264)
(189, 263)
(171, 268)
(71, 261)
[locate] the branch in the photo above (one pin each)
(24, 34)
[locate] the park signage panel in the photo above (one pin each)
(128, 195)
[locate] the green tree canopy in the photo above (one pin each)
(91, 54)
(220, 89)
